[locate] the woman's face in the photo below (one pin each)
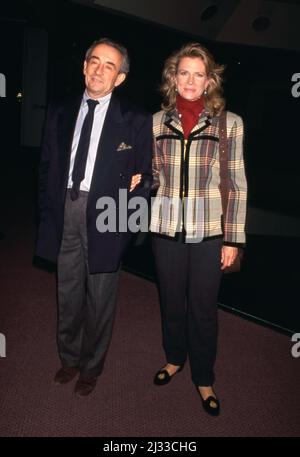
(191, 78)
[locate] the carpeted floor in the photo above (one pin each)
(257, 378)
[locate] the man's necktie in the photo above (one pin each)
(82, 149)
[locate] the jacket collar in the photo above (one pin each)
(114, 111)
(173, 122)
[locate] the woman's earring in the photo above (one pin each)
(176, 89)
(205, 92)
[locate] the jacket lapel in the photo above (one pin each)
(203, 122)
(66, 127)
(109, 135)
(173, 122)
(109, 140)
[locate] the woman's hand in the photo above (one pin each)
(135, 180)
(228, 256)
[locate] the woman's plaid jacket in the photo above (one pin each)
(187, 175)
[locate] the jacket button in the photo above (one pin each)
(122, 176)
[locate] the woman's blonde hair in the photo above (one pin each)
(214, 101)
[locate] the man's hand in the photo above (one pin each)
(135, 180)
(228, 256)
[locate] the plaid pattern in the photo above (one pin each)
(188, 171)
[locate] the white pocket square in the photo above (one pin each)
(123, 146)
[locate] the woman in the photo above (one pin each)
(190, 244)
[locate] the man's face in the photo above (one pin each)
(101, 71)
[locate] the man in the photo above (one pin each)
(93, 147)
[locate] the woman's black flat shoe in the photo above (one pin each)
(211, 405)
(162, 377)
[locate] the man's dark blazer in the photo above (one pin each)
(124, 125)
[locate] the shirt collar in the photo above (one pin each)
(102, 100)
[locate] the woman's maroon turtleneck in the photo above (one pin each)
(190, 111)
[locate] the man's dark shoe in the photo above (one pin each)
(85, 386)
(64, 375)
